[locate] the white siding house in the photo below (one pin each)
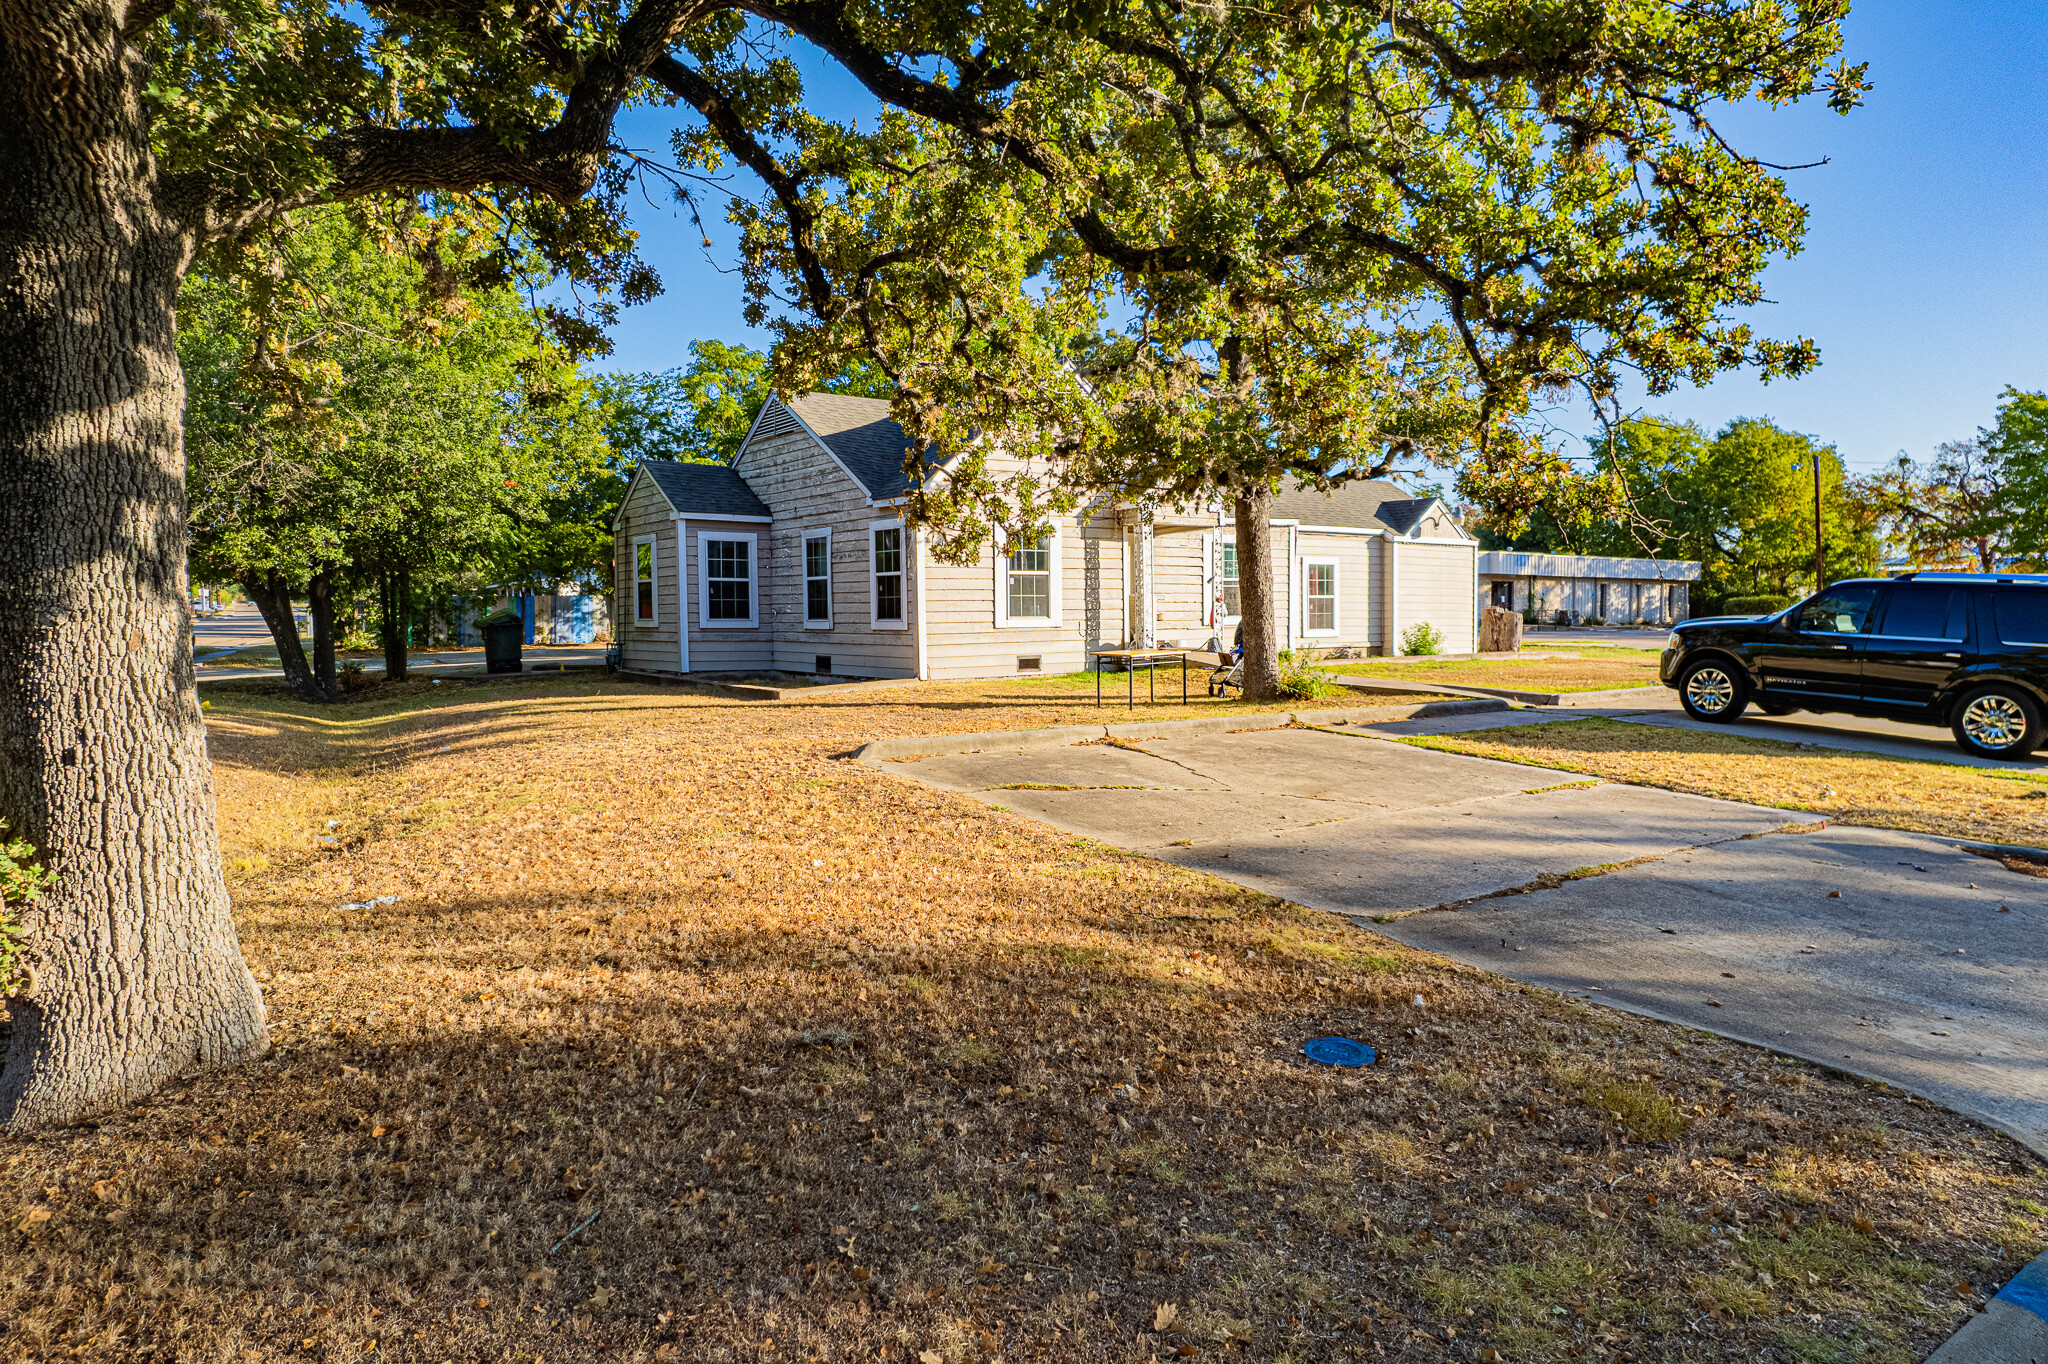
(794, 558)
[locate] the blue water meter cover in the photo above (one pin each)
(1339, 1051)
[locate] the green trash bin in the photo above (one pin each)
(504, 635)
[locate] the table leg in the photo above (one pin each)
(1151, 681)
(1183, 679)
(1130, 686)
(1098, 684)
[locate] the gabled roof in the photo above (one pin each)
(862, 436)
(704, 489)
(1366, 503)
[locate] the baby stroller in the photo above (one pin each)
(1231, 672)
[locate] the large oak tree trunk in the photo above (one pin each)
(1252, 511)
(136, 974)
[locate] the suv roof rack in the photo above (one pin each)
(1970, 574)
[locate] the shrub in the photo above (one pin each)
(1299, 678)
(352, 677)
(1422, 638)
(21, 879)
(1754, 606)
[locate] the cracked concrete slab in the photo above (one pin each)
(1392, 862)
(1078, 764)
(1889, 954)
(1319, 765)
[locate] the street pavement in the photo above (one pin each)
(1892, 955)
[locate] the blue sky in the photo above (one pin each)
(1924, 277)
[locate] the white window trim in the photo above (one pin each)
(803, 564)
(1336, 598)
(875, 622)
(653, 543)
(704, 621)
(1002, 590)
(1223, 618)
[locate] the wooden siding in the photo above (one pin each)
(1180, 593)
(808, 491)
(1361, 621)
(962, 638)
(743, 649)
(655, 647)
(1438, 583)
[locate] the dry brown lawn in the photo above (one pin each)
(689, 1039)
(1991, 804)
(1596, 669)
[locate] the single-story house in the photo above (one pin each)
(795, 558)
(1574, 589)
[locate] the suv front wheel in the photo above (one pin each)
(1997, 722)
(1714, 690)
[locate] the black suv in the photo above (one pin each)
(1966, 650)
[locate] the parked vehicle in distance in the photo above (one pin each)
(1966, 650)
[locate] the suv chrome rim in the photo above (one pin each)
(1994, 722)
(1710, 690)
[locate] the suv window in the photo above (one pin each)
(2022, 615)
(1926, 611)
(1841, 610)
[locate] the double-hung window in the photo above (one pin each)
(728, 571)
(1319, 597)
(1231, 605)
(818, 579)
(1028, 580)
(887, 576)
(643, 581)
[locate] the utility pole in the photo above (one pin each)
(1820, 581)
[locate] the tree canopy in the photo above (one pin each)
(1739, 502)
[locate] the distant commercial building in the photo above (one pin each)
(1577, 589)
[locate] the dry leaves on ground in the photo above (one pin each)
(688, 1039)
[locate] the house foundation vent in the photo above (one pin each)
(1029, 664)
(824, 664)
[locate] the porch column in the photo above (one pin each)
(1142, 608)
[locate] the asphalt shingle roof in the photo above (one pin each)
(1366, 503)
(704, 489)
(863, 436)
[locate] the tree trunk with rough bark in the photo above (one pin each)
(273, 598)
(320, 609)
(394, 600)
(1252, 511)
(136, 972)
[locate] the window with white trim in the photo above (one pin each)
(886, 575)
(1027, 580)
(1319, 596)
(1232, 607)
(727, 570)
(818, 580)
(645, 604)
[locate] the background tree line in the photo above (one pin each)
(382, 423)
(1741, 502)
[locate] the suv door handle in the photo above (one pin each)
(1838, 646)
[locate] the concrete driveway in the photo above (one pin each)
(1868, 950)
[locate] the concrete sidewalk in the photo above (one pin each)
(1891, 955)
(1896, 956)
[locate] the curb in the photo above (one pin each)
(753, 691)
(2010, 849)
(2012, 1329)
(881, 750)
(1568, 699)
